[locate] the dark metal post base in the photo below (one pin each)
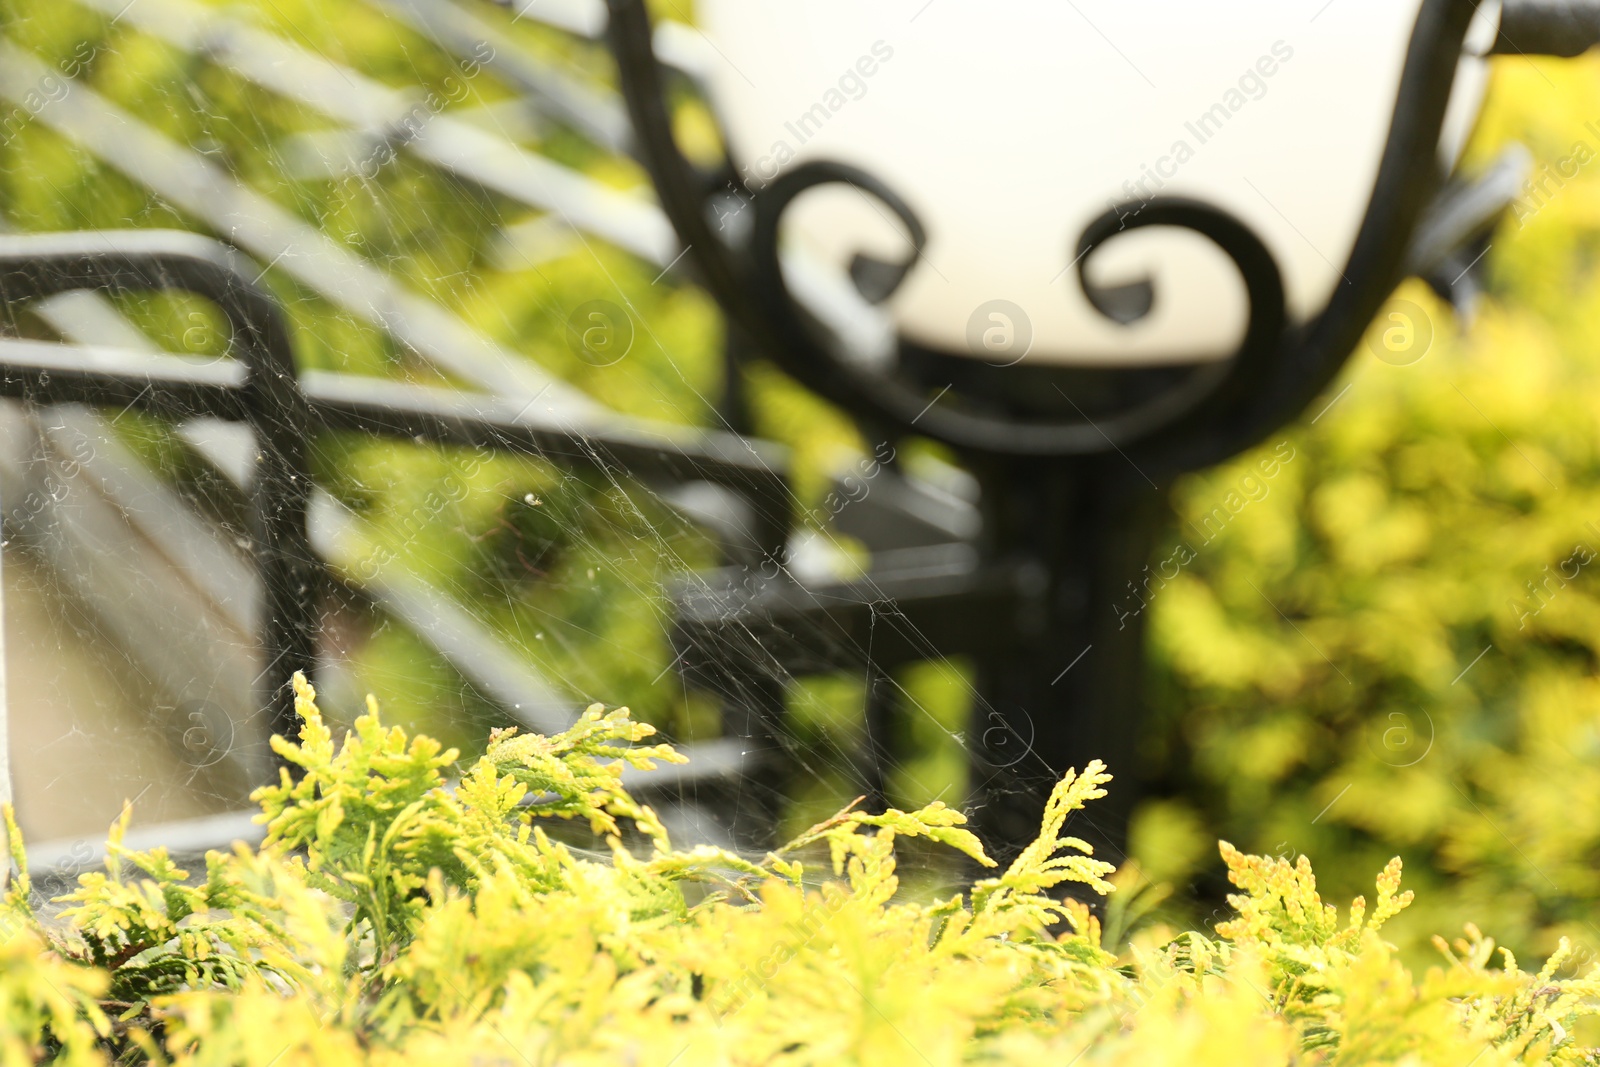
(1070, 690)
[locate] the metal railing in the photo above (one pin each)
(521, 410)
(260, 390)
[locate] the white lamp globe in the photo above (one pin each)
(1009, 126)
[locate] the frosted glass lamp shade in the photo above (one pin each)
(1008, 127)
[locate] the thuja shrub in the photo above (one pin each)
(392, 917)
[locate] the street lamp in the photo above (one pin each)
(1086, 246)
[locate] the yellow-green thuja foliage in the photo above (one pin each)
(395, 916)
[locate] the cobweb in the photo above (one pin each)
(437, 193)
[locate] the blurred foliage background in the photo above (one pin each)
(1437, 513)
(1417, 704)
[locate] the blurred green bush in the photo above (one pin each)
(1394, 649)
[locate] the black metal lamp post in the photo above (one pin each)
(1273, 206)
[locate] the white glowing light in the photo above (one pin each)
(1009, 126)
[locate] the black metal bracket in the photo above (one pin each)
(1547, 28)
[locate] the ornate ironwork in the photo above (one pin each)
(1214, 413)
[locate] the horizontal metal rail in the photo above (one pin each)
(646, 449)
(915, 605)
(52, 373)
(185, 387)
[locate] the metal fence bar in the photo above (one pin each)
(471, 648)
(916, 604)
(264, 393)
(182, 387)
(497, 673)
(174, 385)
(644, 448)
